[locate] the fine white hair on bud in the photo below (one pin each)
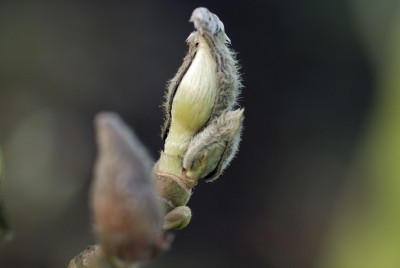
(204, 20)
(203, 125)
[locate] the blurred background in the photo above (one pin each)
(317, 180)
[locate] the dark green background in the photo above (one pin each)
(309, 79)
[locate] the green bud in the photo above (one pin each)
(178, 218)
(201, 129)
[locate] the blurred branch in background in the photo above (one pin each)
(5, 231)
(365, 232)
(126, 211)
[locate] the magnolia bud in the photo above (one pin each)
(201, 130)
(127, 216)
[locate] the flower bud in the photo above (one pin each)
(127, 215)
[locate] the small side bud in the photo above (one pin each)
(127, 215)
(210, 152)
(178, 218)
